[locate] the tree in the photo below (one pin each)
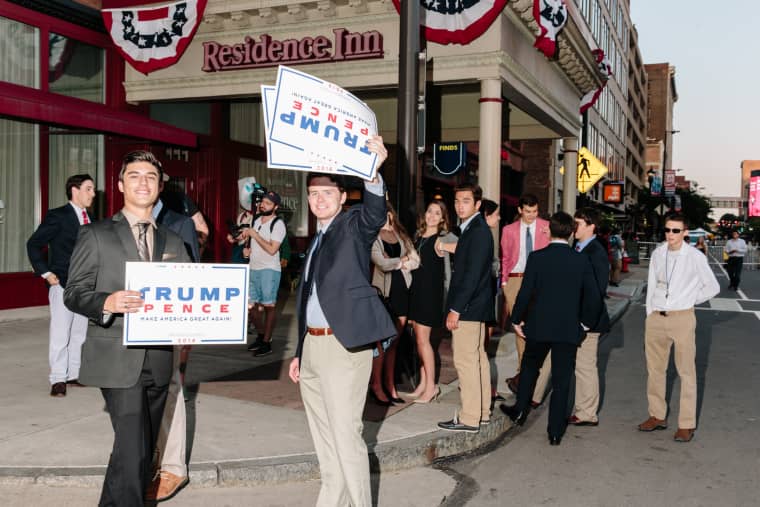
(727, 223)
(695, 208)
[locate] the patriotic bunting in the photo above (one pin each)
(154, 37)
(591, 97)
(460, 22)
(551, 16)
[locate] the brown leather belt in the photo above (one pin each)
(319, 331)
(516, 275)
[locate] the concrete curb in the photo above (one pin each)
(391, 456)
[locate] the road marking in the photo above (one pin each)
(725, 305)
(725, 273)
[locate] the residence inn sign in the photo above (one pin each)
(270, 52)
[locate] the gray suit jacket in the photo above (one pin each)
(97, 269)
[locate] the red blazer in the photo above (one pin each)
(510, 244)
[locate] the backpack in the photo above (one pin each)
(285, 245)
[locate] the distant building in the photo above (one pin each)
(661, 99)
(747, 167)
(722, 205)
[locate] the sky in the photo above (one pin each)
(714, 47)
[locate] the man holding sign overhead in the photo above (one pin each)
(339, 317)
(134, 380)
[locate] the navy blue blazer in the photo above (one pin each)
(558, 292)
(471, 290)
(600, 263)
(341, 273)
(58, 232)
(184, 227)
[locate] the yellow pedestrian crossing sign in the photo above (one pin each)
(590, 170)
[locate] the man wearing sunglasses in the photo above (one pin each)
(679, 279)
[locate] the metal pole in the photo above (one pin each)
(408, 84)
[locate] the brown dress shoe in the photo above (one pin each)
(579, 422)
(684, 435)
(513, 383)
(58, 390)
(652, 424)
(74, 382)
(165, 486)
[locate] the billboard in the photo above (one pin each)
(754, 194)
(670, 182)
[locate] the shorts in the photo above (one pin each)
(263, 286)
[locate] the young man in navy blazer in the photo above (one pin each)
(470, 305)
(558, 301)
(339, 317)
(58, 232)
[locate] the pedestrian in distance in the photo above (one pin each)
(430, 283)
(133, 380)
(470, 306)
(735, 248)
(394, 259)
(58, 233)
(339, 317)
(679, 278)
(558, 302)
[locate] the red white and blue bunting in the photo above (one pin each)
(551, 16)
(456, 22)
(605, 68)
(153, 37)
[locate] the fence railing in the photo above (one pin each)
(644, 250)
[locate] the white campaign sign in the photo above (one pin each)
(314, 125)
(187, 303)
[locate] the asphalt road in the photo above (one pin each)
(616, 465)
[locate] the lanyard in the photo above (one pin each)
(668, 277)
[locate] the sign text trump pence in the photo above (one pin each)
(187, 303)
(325, 122)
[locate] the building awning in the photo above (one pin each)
(35, 105)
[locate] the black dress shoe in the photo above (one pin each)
(398, 401)
(378, 401)
(516, 416)
(58, 389)
(455, 425)
(513, 383)
(554, 440)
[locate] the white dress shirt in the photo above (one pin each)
(679, 279)
(523, 258)
(735, 247)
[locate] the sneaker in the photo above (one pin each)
(257, 343)
(264, 350)
(455, 425)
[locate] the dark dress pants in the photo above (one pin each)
(563, 368)
(135, 416)
(734, 266)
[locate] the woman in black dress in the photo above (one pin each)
(394, 259)
(428, 293)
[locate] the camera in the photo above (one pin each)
(257, 194)
(235, 229)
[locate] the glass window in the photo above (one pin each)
(192, 116)
(19, 47)
(19, 181)
(291, 185)
(76, 69)
(247, 122)
(70, 153)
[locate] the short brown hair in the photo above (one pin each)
(141, 156)
(477, 192)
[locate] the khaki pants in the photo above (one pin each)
(172, 436)
(587, 379)
(474, 372)
(334, 389)
(510, 293)
(677, 329)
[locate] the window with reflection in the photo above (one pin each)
(19, 47)
(76, 69)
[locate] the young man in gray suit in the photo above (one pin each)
(133, 380)
(339, 316)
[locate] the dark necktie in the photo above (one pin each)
(85, 219)
(528, 241)
(577, 247)
(142, 241)
(308, 282)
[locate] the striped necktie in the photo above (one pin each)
(142, 241)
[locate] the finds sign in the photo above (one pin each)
(269, 52)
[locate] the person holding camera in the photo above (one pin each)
(266, 234)
(236, 238)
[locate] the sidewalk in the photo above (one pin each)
(245, 415)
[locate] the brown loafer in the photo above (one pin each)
(165, 486)
(684, 435)
(578, 422)
(58, 390)
(652, 424)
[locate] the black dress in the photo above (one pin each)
(399, 294)
(426, 294)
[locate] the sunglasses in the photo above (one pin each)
(674, 231)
